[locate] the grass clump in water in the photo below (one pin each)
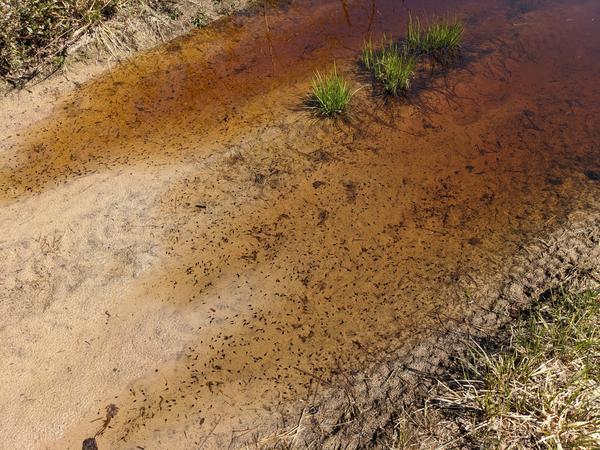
(331, 94)
(368, 55)
(415, 37)
(441, 39)
(394, 69)
(392, 66)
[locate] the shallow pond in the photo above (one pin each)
(299, 248)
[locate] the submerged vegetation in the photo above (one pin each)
(539, 388)
(330, 94)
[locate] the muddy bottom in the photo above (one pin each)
(288, 251)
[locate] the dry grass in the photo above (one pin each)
(538, 389)
(37, 35)
(34, 34)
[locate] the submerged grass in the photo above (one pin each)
(391, 65)
(331, 94)
(538, 389)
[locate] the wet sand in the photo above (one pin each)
(244, 252)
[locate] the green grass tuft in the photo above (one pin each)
(444, 37)
(392, 66)
(441, 39)
(414, 35)
(394, 69)
(368, 55)
(330, 93)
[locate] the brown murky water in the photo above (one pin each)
(306, 248)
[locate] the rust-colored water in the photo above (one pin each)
(320, 246)
(196, 90)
